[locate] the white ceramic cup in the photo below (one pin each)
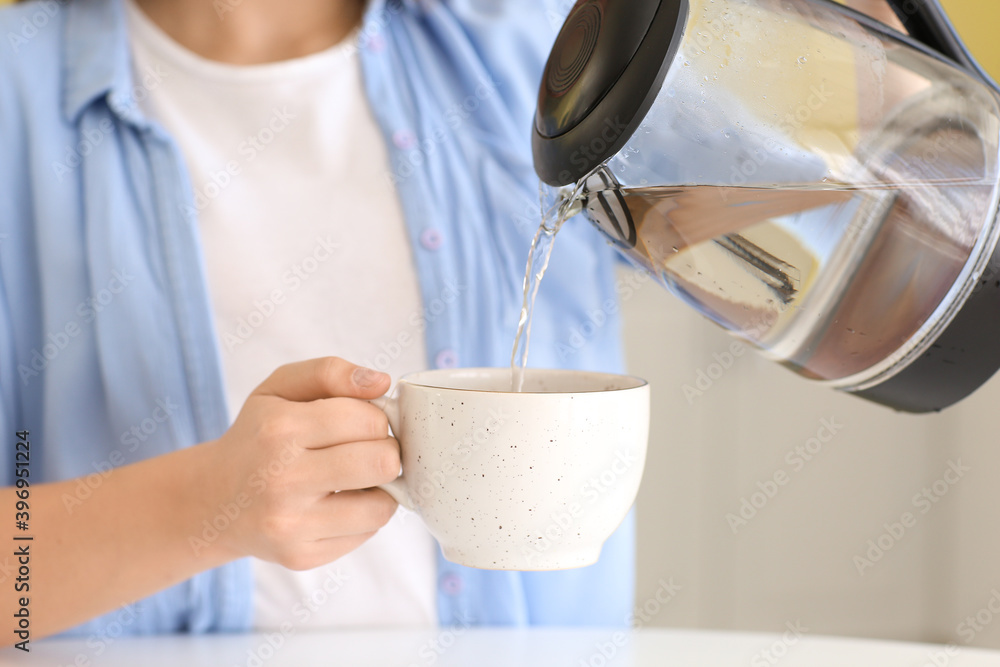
(532, 480)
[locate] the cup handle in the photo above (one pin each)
(397, 487)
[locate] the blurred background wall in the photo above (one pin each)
(805, 555)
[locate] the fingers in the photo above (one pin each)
(320, 552)
(314, 421)
(328, 529)
(286, 530)
(352, 466)
(348, 513)
(334, 421)
(325, 377)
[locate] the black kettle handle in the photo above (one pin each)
(927, 22)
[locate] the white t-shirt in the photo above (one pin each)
(307, 256)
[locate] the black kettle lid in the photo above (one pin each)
(605, 69)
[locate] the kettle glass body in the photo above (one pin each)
(819, 186)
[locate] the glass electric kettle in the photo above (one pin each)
(809, 178)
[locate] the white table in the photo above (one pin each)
(500, 648)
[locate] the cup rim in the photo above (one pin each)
(413, 379)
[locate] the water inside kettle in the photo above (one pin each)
(828, 278)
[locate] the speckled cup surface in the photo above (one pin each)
(532, 480)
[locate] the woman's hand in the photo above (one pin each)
(288, 482)
(297, 466)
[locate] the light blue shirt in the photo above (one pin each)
(105, 320)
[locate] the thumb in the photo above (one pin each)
(326, 377)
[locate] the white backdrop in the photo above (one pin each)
(802, 555)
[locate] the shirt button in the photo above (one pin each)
(451, 583)
(446, 358)
(404, 139)
(431, 238)
(376, 43)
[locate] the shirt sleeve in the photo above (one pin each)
(7, 389)
(8, 217)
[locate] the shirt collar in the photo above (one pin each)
(378, 13)
(372, 7)
(97, 61)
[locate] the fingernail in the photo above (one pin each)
(366, 377)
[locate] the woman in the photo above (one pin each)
(194, 194)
